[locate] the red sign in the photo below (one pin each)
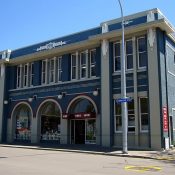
(78, 115)
(165, 119)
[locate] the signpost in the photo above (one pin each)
(124, 100)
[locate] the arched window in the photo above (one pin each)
(82, 105)
(23, 123)
(50, 121)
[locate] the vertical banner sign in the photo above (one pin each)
(165, 120)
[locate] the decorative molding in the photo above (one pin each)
(53, 89)
(105, 47)
(2, 69)
(151, 37)
(104, 28)
(150, 16)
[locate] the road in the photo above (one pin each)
(19, 161)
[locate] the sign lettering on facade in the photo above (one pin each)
(165, 119)
(51, 45)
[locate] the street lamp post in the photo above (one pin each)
(123, 89)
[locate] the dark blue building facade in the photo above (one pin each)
(66, 90)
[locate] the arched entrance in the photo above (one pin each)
(82, 114)
(22, 116)
(50, 121)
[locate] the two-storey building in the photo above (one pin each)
(65, 91)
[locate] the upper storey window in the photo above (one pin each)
(128, 55)
(142, 52)
(92, 63)
(83, 64)
(117, 63)
(51, 70)
(25, 74)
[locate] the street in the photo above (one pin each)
(19, 161)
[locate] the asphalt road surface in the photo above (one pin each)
(19, 161)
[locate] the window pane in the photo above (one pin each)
(73, 72)
(118, 109)
(90, 131)
(83, 65)
(43, 72)
(141, 44)
(129, 61)
(23, 127)
(93, 71)
(83, 58)
(117, 64)
(117, 49)
(118, 123)
(129, 47)
(144, 121)
(144, 105)
(73, 60)
(93, 55)
(93, 63)
(131, 120)
(83, 72)
(142, 59)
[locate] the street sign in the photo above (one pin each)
(124, 100)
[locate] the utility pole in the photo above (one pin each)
(123, 88)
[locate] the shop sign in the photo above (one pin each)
(65, 116)
(78, 115)
(165, 119)
(51, 45)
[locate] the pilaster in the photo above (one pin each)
(154, 90)
(105, 91)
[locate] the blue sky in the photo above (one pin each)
(26, 22)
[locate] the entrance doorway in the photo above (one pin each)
(79, 131)
(83, 131)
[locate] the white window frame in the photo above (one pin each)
(129, 54)
(138, 62)
(19, 77)
(84, 66)
(115, 57)
(140, 116)
(52, 70)
(92, 64)
(31, 74)
(120, 131)
(133, 114)
(44, 73)
(76, 66)
(26, 75)
(59, 68)
(116, 131)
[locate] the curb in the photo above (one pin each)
(80, 151)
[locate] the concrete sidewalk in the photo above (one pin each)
(168, 155)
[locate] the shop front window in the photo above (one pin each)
(50, 122)
(144, 119)
(90, 131)
(131, 117)
(23, 123)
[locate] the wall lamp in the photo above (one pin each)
(30, 99)
(61, 95)
(6, 102)
(96, 92)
